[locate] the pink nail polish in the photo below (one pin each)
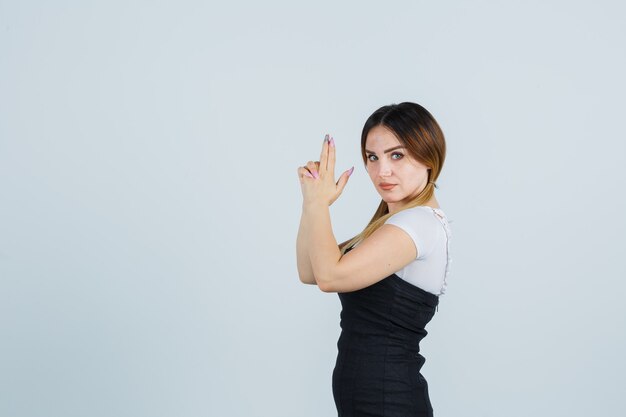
(332, 141)
(351, 171)
(315, 174)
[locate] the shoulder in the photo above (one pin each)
(421, 224)
(413, 214)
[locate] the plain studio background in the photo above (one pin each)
(149, 201)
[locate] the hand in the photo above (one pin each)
(317, 179)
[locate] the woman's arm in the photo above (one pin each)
(314, 246)
(324, 252)
(305, 270)
(385, 251)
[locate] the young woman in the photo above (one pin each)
(388, 277)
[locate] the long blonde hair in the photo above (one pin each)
(418, 130)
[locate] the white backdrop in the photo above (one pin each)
(149, 201)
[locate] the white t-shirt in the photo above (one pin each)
(430, 231)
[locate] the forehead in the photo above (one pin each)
(380, 137)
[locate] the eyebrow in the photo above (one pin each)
(388, 150)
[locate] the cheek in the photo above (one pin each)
(410, 176)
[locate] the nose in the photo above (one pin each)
(385, 169)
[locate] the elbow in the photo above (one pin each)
(324, 288)
(325, 285)
(306, 277)
(307, 280)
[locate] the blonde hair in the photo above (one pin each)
(417, 129)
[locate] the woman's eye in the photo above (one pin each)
(395, 153)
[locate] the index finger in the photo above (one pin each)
(324, 155)
(331, 157)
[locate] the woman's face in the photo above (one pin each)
(388, 162)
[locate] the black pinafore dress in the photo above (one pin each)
(377, 372)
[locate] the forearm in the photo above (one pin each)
(323, 250)
(303, 242)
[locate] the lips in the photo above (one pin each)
(386, 185)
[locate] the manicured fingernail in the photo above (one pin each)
(332, 141)
(308, 174)
(351, 171)
(326, 138)
(315, 174)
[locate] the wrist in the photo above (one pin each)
(313, 205)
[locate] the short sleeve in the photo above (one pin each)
(421, 225)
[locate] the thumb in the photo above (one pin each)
(343, 180)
